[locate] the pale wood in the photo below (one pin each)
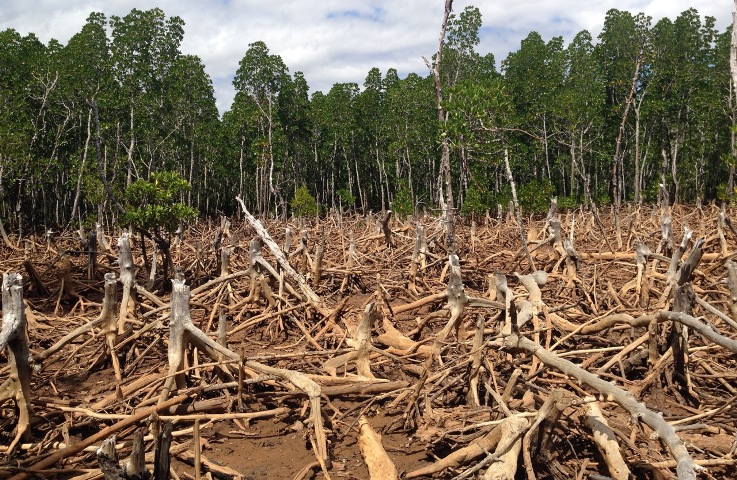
(686, 469)
(283, 262)
(17, 387)
(380, 466)
(508, 450)
(606, 441)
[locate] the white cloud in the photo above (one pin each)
(341, 40)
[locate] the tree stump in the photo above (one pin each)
(13, 335)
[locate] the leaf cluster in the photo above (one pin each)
(153, 204)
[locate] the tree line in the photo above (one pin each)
(598, 120)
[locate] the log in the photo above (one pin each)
(606, 441)
(101, 435)
(283, 262)
(686, 469)
(508, 450)
(380, 466)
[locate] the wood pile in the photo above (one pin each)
(568, 357)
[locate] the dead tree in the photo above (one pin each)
(13, 334)
(127, 279)
(434, 68)
(361, 342)
(686, 468)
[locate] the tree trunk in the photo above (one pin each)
(445, 177)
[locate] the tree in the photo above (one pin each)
(261, 76)
(580, 107)
(145, 46)
(155, 208)
(445, 176)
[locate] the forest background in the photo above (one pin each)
(604, 119)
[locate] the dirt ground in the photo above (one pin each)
(422, 402)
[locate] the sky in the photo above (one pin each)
(334, 41)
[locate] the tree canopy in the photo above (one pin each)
(646, 103)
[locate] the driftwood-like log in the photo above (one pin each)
(362, 344)
(317, 266)
(463, 455)
(108, 310)
(387, 229)
(75, 448)
(314, 392)
(537, 440)
(472, 397)
(127, 279)
(606, 441)
(13, 335)
(686, 469)
(380, 466)
(283, 262)
(507, 451)
(183, 332)
(456, 303)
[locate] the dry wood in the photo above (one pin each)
(686, 469)
(606, 441)
(13, 335)
(379, 464)
(507, 451)
(597, 321)
(283, 262)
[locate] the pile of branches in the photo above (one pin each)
(586, 351)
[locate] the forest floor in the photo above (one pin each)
(436, 376)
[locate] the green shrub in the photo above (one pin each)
(473, 202)
(152, 204)
(346, 197)
(534, 196)
(304, 204)
(402, 204)
(568, 202)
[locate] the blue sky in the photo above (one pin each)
(341, 40)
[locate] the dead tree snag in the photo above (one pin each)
(13, 335)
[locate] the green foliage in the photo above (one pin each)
(565, 203)
(402, 203)
(534, 196)
(303, 203)
(724, 194)
(345, 197)
(474, 202)
(153, 204)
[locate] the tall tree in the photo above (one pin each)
(261, 75)
(144, 47)
(445, 176)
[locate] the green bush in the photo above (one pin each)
(568, 202)
(152, 204)
(402, 204)
(474, 202)
(346, 197)
(304, 204)
(534, 196)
